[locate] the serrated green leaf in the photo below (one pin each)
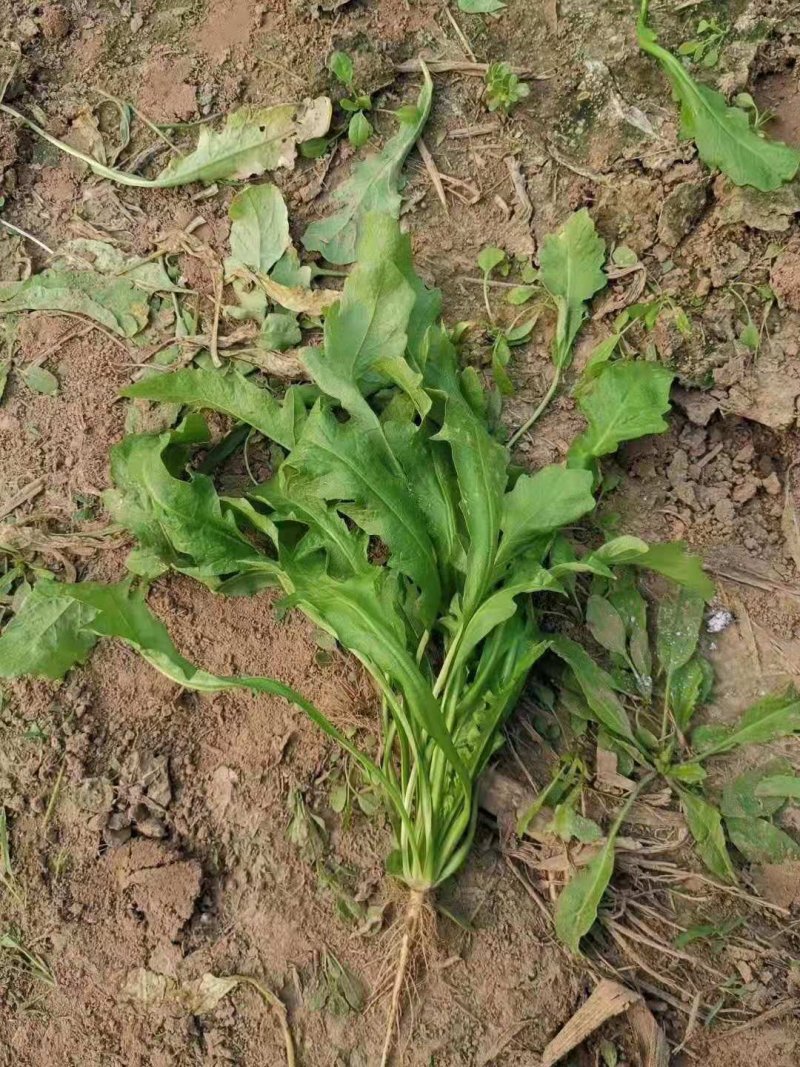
(346, 464)
(576, 908)
(540, 503)
(374, 185)
(705, 826)
(182, 520)
(229, 393)
(259, 228)
(279, 331)
(628, 400)
(47, 637)
(366, 332)
(724, 136)
(571, 270)
(759, 841)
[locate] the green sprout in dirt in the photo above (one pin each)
(706, 46)
(504, 90)
(359, 129)
(395, 521)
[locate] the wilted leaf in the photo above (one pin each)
(147, 987)
(298, 298)
(759, 841)
(40, 380)
(203, 995)
(253, 140)
(115, 302)
(47, 637)
(259, 228)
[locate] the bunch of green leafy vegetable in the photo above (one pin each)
(724, 136)
(388, 447)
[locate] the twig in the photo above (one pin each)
(582, 172)
(279, 1008)
(783, 1008)
(483, 130)
(31, 490)
(461, 66)
(433, 173)
(520, 187)
(691, 1023)
(459, 32)
(27, 236)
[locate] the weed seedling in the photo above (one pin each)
(504, 90)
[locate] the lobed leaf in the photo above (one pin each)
(374, 185)
(628, 400)
(724, 137)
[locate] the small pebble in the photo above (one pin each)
(718, 621)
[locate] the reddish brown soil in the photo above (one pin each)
(150, 827)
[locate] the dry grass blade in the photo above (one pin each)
(460, 66)
(25, 494)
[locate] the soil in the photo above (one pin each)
(155, 835)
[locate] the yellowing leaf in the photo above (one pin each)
(299, 299)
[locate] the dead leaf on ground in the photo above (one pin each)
(608, 1000)
(298, 299)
